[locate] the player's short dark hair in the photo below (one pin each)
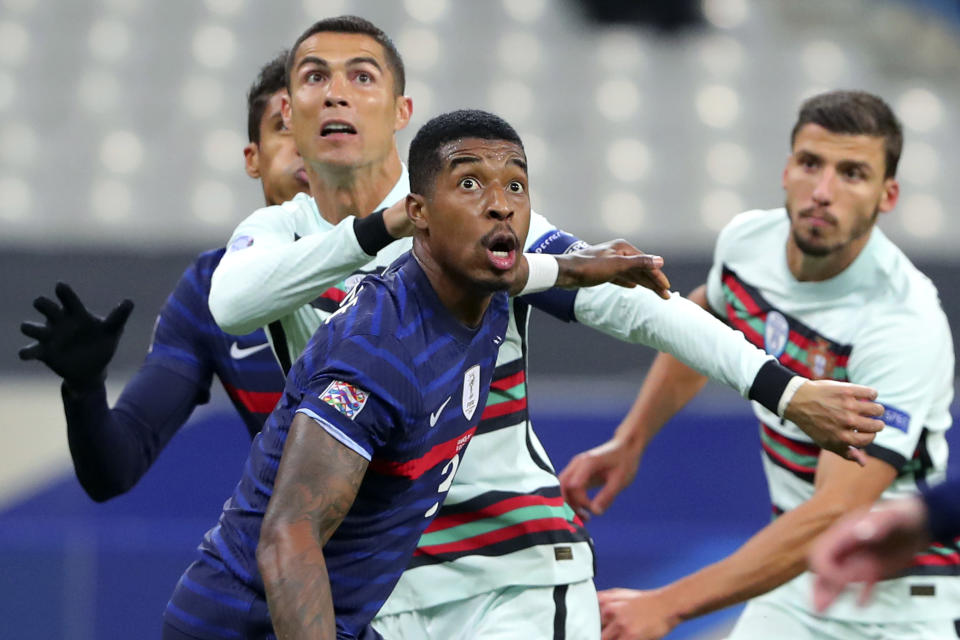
(424, 161)
(272, 78)
(355, 24)
(855, 113)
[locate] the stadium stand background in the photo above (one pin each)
(121, 128)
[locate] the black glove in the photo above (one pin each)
(74, 343)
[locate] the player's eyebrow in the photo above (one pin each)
(459, 160)
(351, 62)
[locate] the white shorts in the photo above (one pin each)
(763, 619)
(567, 612)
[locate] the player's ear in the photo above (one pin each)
(286, 110)
(404, 112)
(417, 210)
(891, 193)
(251, 159)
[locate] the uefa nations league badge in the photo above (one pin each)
(775, 334)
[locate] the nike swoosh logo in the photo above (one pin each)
(238, 353)
(436, 416)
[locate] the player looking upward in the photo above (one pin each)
(113, 448)
(351, 466)
(824, 290)
(505, 551)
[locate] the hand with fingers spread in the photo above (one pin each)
(616, 261)
(839, 416)
(867, 546)
(611, 466)
(73, 342)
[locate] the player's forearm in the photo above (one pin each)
(254, 286)
(769, 559)
(112, 448)
(294, 573)
(677, 326)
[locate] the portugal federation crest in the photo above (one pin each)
(776, 331)
(821, 360)
(471, 391)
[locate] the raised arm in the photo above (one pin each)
(111, 448)
(268, 270)
(316, 484)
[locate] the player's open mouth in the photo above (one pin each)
(337, 128)
(501, 249)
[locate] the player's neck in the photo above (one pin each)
(352, 191)
(808, 268)
(465, 302)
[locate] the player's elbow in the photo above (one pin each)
(100, 490)
(274, 538)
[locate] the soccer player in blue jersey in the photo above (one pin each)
(113, 448)
(523, 561)
(379, 408)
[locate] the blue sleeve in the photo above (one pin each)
(185, 325)
(943, 508)
(113, 448)
(365, 394)
(557, 302)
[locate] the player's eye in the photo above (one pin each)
(364, 78)
(853, 173)
(313, 76)
(515, 186)
(470, 184)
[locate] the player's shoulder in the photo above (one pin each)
(902, 294)
(752, 227)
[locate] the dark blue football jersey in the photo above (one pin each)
(188, 341)
(396, 378)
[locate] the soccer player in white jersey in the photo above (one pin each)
(523, 561)
(822, 289)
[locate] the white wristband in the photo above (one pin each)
(543, 272)
(789, 391)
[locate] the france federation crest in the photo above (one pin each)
(345, 398)
(471, 391)
(775, 334)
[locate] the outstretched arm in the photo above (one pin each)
(772, 557)
(316, 484)
(268, 271)
(870, 545)
(111, 448)
(695, 344)
(617, 262)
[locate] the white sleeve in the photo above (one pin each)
(908, 359)
(267, 272)
(676, 326)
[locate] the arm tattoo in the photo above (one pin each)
(316, 484)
